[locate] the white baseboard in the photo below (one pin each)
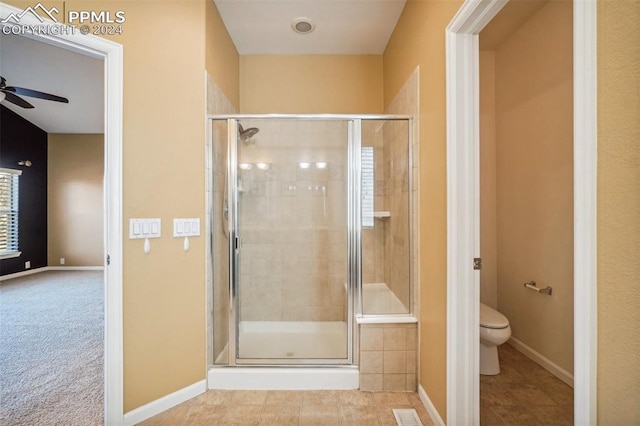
(544, 362)
(75, 268)
(23, 273)
(50, 268)
(149, 410)
(431, 409)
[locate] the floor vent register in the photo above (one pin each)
(406, 417)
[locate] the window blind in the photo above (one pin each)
(367, 186)
(9, 210)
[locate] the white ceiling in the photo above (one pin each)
(45, 68)
(353, 27)
(344, 27)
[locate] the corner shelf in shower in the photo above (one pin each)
(381, 214)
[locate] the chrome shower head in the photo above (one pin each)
(246, 134)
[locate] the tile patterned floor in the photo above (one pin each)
(280, 408)
(523, 394)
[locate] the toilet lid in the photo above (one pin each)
(490, 318)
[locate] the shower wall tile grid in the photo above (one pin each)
(388, 352)
(406, 102)
(386, 246)
(293, 266)
(388, 357)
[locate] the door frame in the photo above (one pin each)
(463, 198)
(111, 54)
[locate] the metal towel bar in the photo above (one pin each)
(532, 286)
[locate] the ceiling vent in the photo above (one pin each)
(303, 25)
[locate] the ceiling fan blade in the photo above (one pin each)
(35, 94)
(15, 99)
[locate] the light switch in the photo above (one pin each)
(189, 227)
(145, 228)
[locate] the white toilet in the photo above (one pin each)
(494, 331)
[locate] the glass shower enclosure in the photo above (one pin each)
(291, 198)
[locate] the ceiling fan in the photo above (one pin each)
(10, 94)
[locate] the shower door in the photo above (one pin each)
(289, 185)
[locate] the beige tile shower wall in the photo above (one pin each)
(388, 357)
(397, 195)
(373, 239)
(293, 222)
(217, 273)
(373, 259)
(397, 175)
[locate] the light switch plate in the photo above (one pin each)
(186, 227)
(145, 228)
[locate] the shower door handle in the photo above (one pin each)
(237, 244)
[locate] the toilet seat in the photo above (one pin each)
(490, 318)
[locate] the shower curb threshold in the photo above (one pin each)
(283, 378)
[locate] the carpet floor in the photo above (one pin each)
(52, 349)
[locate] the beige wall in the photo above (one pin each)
(618, 212)
(338, 84)
(534, 190)
(163, 142)
(419, 39)
(221, 57)
(488, 206)
(75, 199)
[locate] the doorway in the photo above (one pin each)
(112, 55)
(463, 209)
(526, 211)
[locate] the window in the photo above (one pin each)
(367, 186)
(9, 213)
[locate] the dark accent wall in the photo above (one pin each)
(22, 140)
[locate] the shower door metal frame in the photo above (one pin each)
(354, 234)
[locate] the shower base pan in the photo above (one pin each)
(293, 339)
(283, 340)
